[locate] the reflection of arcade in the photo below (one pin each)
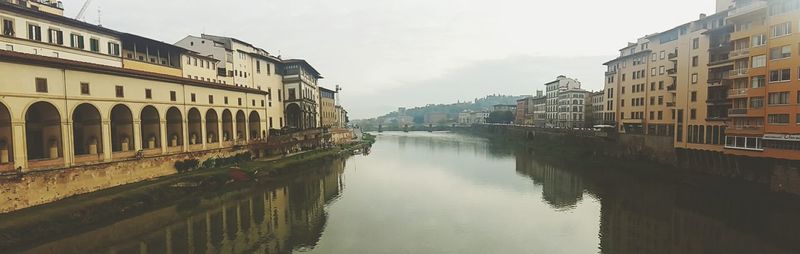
(276, 220)
(652, 216)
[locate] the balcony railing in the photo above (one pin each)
(672, 87)
(672, 71)
(738, 92)
(737, 112)
(739, 53)
(672, 55)
(737, 73)
(670, 104)
(744, 9)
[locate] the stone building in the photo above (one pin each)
(327, 107)
(571, 106)
(553, 90)
(301, 98)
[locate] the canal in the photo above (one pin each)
(451, 193)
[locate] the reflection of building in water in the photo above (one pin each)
(560, 188)
(647, 217)
(276, 220)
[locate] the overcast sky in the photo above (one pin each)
(387, 54)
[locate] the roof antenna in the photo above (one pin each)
(99, 16)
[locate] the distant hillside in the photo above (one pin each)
(482, 104)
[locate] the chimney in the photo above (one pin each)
(702, 15)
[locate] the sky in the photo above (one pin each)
(390, 54)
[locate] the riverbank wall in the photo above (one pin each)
(41, 187)
(775, 175)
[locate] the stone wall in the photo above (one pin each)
(36, 188)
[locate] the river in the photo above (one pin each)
(451, 193)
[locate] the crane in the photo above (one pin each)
(83, 10)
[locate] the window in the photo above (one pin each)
(8, 27)
(780, 52)
(661, 70)
(779, 75)
(210, 99)
(226, 100)
(258, 66)
(34, 32)
(757, 102)
(662, 55)
(173, 96)
(55, 36)
(694, 78)
(782, 29)
(778, 119)
(262, 103)
(120, 92)
(94, 44)
(694, 96)
(113, 49)
(41, 85)
(758, 81)
(695, 61)
(696, 43)
(76, 41)
(148, 94)
(240, 101)
(693, 114)
(193, 97)
(759, 40)
(781, 98)
(759, 61)
(85, 88)
(653, 71)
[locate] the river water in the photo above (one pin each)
(450, 193)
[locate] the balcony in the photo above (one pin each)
(672, 71)
(672, 88)
(737, 112)
(673, 55)
(670, 104)
(738, 73)
(746, 129)
(739, 53)
(747, 8)
(741, 92)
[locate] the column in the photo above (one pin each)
(234, 129)
(185, 130)
(137, 135)
(164, 142)
(107, 140)
(19, 149)
(168, 241)
(203, 131)
(246, 128)
(219, 132)
(66, 144)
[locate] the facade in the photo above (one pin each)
(327, 108)
(436, 118)
(471, 117)
(539, 110)
(300, 99)
(553, 90)
(341, 118)
(571, 108)
(241, 64)
(523, 111)
(595, 105)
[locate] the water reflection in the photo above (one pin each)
(273, 220)
(447, 193)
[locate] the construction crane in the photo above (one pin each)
(83, 10)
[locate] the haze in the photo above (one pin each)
(387, 54)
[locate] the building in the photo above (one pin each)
(523, 111)
(595, 109)
(540, 110)
(342, 119)
(238, 63)
(327, 107)
(436, 118)
(301, 99)
(764, 118)
(571, 106)
(553, 90)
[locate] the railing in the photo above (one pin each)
(737, 72)
(738, 92)
(671, 104)
(739, 53)
(672, 87)
(737, 111)
(672, 71)
(672, 55)
(744, 9)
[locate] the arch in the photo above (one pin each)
(121, 128)
(195, 128)
(174, 127)
(6, 136)
(43, 132)
(212, 126)
(151, 128)
(227, 126)
(241, 130)
(294, 116)
(87, 130)
(255, 125)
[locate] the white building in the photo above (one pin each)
(571, 106)
(553, 89)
